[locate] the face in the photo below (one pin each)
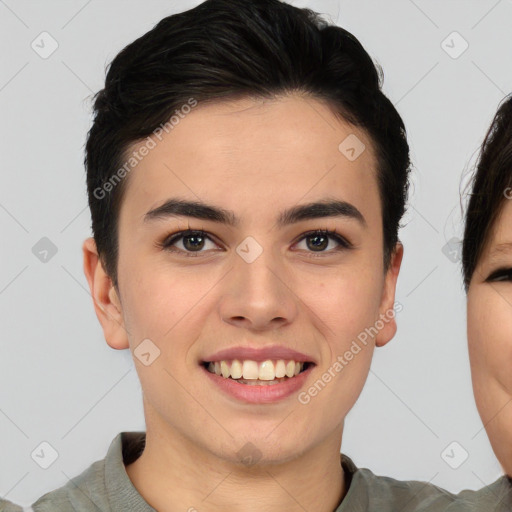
(490, 336)
(252, 283)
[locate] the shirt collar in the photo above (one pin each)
(122, 495)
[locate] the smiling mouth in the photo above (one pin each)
(264, 373)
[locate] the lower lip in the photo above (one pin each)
(260, 394)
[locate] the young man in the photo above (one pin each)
(246, 180)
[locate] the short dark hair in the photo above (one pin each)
(489, 184)
(229, 49)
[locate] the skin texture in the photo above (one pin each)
(255, 158)
(489, 324)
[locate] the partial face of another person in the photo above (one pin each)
(252, 281)
(490, 335)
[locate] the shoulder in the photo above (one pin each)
(88, 490)
(84, 492)
(368, 491)
(496, 496)
(371, 492)
(103, 485)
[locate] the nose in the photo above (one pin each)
(258, 295)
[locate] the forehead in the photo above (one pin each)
(499, 240)
(252, 150)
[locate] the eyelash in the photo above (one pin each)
(500, 273)
(167, 243)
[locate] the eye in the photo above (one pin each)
(318, 240)
(191, 241)
(502, 274)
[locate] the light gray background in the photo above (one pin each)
(61, 383)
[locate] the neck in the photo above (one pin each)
(176, 474)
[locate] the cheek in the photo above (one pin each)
(347, 307)
(156, 301)
(490, 339)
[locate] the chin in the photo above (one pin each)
(258, 452)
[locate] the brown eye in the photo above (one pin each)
(191, 242)
(318, 241)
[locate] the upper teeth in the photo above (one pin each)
(266, 370)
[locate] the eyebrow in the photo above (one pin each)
(199, 210)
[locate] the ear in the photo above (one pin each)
(105, 297)
(387, 311)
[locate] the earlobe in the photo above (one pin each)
(107, 304)
(387, 307)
